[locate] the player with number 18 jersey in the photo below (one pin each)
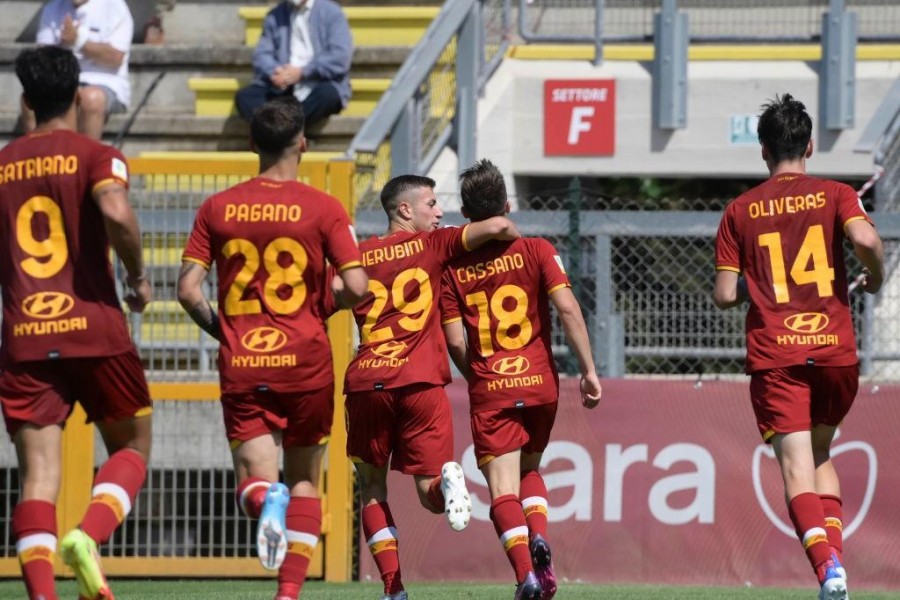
(501, 291)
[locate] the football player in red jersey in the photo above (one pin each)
(500, 295)
(268, 240)
(780, 246)
(397, 410)
(63, 201)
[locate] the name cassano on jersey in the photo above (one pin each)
(394, 252)
(489, 268)
(39, 166)
(262, 213)
(786, 205)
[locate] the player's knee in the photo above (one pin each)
(821, 455)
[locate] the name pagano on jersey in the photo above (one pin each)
(262, 213)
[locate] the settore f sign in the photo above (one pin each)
(579, 117)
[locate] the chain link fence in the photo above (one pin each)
(709, 20)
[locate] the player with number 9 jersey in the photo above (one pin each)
(269, 241)
(785, 237)
(501, 291)
(59, 293)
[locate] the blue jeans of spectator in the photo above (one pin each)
(322, 102)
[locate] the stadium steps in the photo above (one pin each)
(370, 25)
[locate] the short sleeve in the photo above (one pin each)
(108, 166)
(849, 206)
(199, 249)
(553, 271)
(728, 254)
(122, 30)
(47, 33)
(447, 243)
(341, 248)
(449, 302)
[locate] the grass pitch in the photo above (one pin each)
(199, 589)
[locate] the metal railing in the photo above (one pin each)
(431, 102)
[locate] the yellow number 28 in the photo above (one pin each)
(277, 278)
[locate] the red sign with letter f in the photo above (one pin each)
(579, 117)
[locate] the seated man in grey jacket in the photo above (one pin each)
(305, 50)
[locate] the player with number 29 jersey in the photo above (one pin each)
(269, 241)
(783, 235)
(400, 335)
(501, 291)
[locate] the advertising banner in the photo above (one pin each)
(668, 482)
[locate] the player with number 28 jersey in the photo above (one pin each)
(269, 241)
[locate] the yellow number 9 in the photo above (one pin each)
(48, 256)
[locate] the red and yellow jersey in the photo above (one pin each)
(502, 293)
(59, 293)
(268, 241)
(401, 341)
(786, 237)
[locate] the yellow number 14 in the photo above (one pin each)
(812, 250)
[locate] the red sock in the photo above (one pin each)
(834, 522)
(34, 529)
(533, 493)
(435, 495)
(381, 537)
(809, 521)
(304, 526)
(115, 487)
(251, 494)
(509, 523)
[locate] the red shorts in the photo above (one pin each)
(798, 398)
(304, 418)
(109, 388)
(503, 430)
(411, 426)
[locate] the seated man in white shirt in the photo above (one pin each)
(99, 32)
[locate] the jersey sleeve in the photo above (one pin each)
(199, 248)
(449, 303)
(448, 242)
(47, 29)
(849, 206)
(341, 247)
(728, 256)
(553, 272)
(108, 166)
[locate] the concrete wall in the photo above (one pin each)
(511, 120)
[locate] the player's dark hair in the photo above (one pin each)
(49, 77)
(483, 191)
(276, 124)
(394, 189)
(784, 128)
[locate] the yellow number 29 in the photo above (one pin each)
(812, 250)
(48, 256)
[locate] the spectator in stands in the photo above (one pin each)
(781, 246)
(99, 32)
(305, 50)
